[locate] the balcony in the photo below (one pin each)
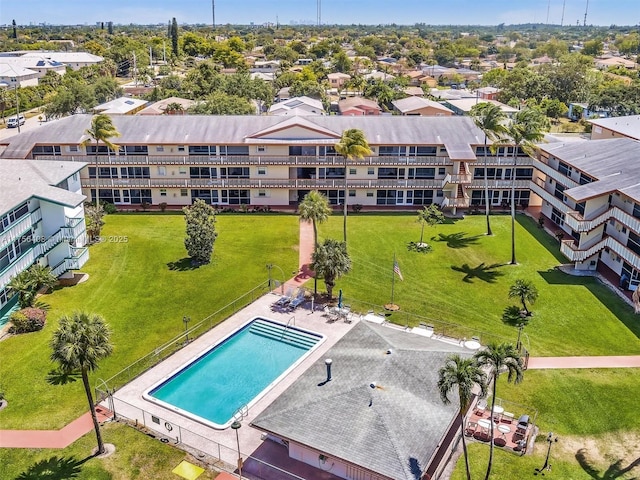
(581, 224)
(456, 179)
(79, 256)
(23, 262)
(20, 228)
(539, 190)
(573, 253)
(256, 160)
(555, 174)
(519, 184)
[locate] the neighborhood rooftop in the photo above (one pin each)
(628, 126)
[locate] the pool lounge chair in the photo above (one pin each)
(297, 301)
(283, 301)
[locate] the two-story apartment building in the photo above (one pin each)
(274, 161)
(41, 220)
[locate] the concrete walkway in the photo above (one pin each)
(50, 438)
(305, 249)
(540, 363)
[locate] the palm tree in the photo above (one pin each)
(429, 215)
(28, 282)
(463, 374)
(526, 291)
(314, 208)
(102, 129)
(352, 145)
(526, 128)
(489, 118)
(78, 344)
(498, 357)
(331, 261)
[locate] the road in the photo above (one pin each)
(30, 124)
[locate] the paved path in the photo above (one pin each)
(539, 363)
(305, 249)
(50, 438)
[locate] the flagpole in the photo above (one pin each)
(393, 276)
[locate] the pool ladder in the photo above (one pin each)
(286, 327)
(241, 412)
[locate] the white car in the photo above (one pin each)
(14, 122)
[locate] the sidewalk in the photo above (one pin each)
(540, 363)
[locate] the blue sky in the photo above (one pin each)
(437, 12)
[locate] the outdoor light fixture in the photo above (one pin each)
(547, 466)
(186, 321)
(236, 426)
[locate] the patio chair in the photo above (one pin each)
(283, 301)
(297, 301)
(481, 406)
(471, 429)
(508, 417)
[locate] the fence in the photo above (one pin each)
(167, 349)
(205, 449)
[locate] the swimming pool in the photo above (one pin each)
(235, 372)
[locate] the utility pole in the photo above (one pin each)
(564, 2)
(319, 12)
(213, 10)
(135, 70)
(586, 10)
(18, 109)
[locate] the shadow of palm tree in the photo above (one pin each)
(614, 471)
(42, 305)
(457, 240)
(486, 273)
(54, 468)
(183, 265)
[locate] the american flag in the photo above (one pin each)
(396, 270)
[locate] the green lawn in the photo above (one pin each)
(466, 278)
(143, 287)
(137, 456)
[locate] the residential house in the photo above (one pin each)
(121, 106)
(356, 106)
(487, 93)
(265, 66)
(36, 64)
(616, 127)
(604, 63)
(463, 106)
(378, 75)
(160, 107)
(421, 107)
(578, 110)
(414, 91)
(414, 77)
(338, 80)
(297, 106)
(13, 76)
(73, 60)
(41, 221)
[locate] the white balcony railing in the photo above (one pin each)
(571, 251)
(555, 174)
(20, 228)
(519, 184)
(580, 224)
(548, 197)
(79, 256)
(21, 263)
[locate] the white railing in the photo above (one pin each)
(580, 224)
(18, 229)
(79, 257)
(549, 197)
(555, 174)
(479, 183)
(568, 248)
(22, 263)
(75, 227)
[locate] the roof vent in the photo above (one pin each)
(373, 385)
(389, 352)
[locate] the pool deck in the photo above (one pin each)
(128, 399)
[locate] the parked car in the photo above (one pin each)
(14, 122)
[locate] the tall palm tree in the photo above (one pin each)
(352, 145)
(489, 118)
(461, 374)
(525, 291)
(79, 343)
(331, 261)
(101, 130)
(498, 357)
(314, 208)
(526, 128)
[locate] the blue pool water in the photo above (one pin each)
(235, 372)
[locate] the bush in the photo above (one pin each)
(163, 206)
(419, 247)
(356, 208)
(145, 206)
(27, 320)
(109, 208)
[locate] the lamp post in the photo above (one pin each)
(186, 321)
(17, 107)
(547, 466)
(269, 267)
(236, 426)
(520, 328)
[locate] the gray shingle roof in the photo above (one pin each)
(628, 126)
(388, 429)
(234, 130)
(614, 163)
(22, 179)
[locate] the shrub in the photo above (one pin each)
(109, 208)
(163, 206)
(145, 206)
(27, 320)
(419, 247)
(356, 207)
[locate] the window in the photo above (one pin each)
(442, 171)
(328, 173)
(182, 170)
(580, 208)
(422, 151)
(262, 193)
(335, 197)
(131, 150)
(159, 149)
(353, 171)
(352, 193)
(184, 192)
(100, 150)
(163, 192)
(207, 196)
(558, 193)
(564, 169)
(524, 173)
(636, 210)
(369, 194)
(584, 179)
(234, 172)
(13, 216)
(237, 197)
(326, 151)
(371, 171)
(422, 173)
(203, 172)
(391, 173)
(142, 195)
(557, 217)
(234, 150)
(203, 150)
(262, 170)
(73, 148)
(389, 151)
(386, 197)
(261, 149)
(181, 148)
(439, 193)
(162, 171)
(134, 172)
(302, 150)
(420, 197)
(46, 150)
